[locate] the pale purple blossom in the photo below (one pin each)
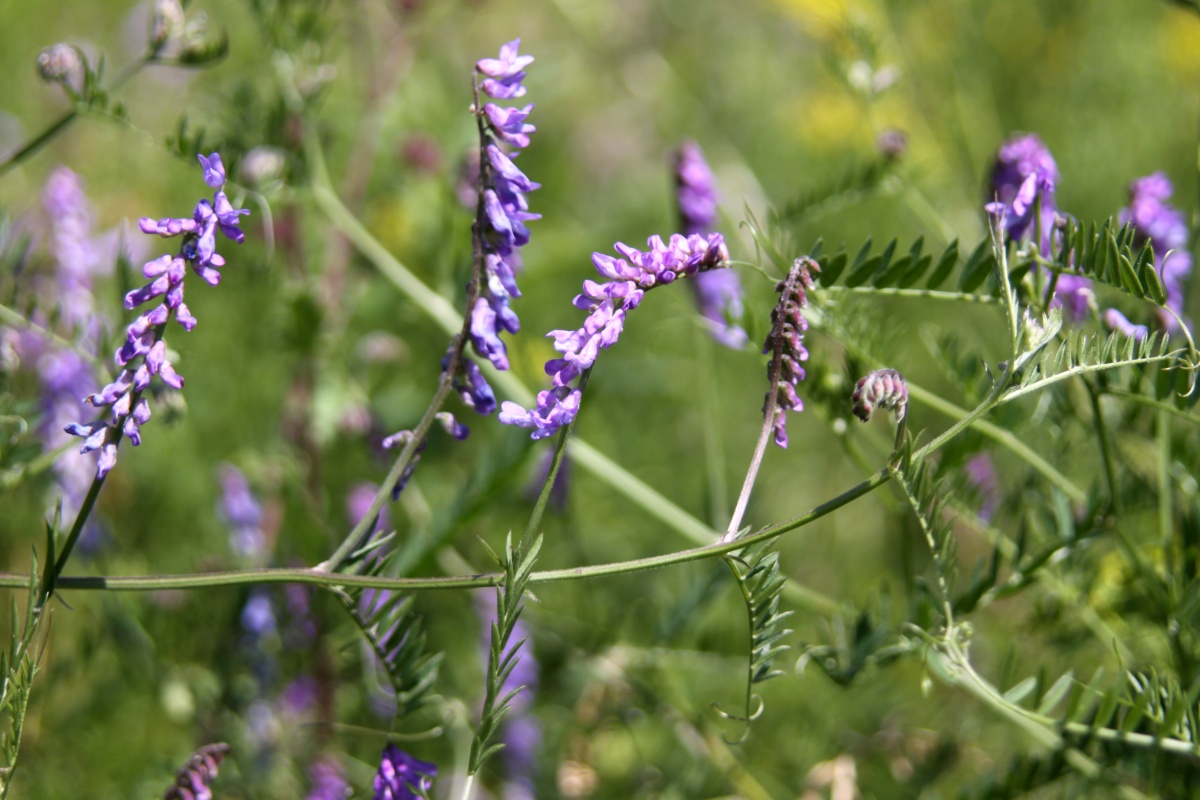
(143, 338)
(1116, 321)
(241, 511)
(1023, 180)
(327, 780)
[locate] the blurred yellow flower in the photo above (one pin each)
(1181, 43)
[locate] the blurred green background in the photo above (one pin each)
(279, 366)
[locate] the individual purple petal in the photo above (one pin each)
(214, 170)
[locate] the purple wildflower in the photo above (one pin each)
(1117, 321)
(1024, 175)
(242, 512)
(1165, 227)
(718, 292)
(1073, 293)
(401, 776)
(883, 388)
(981, 474)
(785, 342)
(328, 783)
(501, 214)
(191, 782)
(144, 341)
(401, 439)
(607, 305)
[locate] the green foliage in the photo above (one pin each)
(18, 667)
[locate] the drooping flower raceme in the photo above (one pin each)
(144, 354)
(502, 212)
(785, 343)
(1165, 227)
(401, 776)
(718, 292)
(607, 305)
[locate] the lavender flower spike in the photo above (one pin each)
(1025, 173)
(718, 292)
(401, 776)
(607, 305)
(144, 353)
(501, 213)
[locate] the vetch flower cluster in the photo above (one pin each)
(718, 292)
(191, 782)
(1165, 227)
(1025, 176)
(144, 354)
(607, 305)
(401, 439)
(401, 776)
(785, 342)
(502, 210)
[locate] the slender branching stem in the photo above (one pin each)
(760, 450)
(1106, 453)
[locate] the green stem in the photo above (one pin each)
(318, 577)
(1106, 455)
(54, 570)
(932, 294)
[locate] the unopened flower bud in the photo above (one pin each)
(59, 63)
(883, 388)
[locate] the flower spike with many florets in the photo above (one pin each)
(501, 214)
(607, 305)
(144, 353)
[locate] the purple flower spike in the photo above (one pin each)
(500, 225)
(1117, 321)
(1165, 227)
(401, 776)
(883, 388)
(144, 336)
(607, 305)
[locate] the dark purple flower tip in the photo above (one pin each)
(401, 776)
(883, 388)
(214, 170)
(1117, 321)
(93, 434)
(475, 392)
(452, 426)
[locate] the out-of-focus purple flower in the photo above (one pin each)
(1165, 227)
(891, 144)
(1116, 321)
(258, 617)
(718, 292)
(241, 511)
(300, 696)
(981, 473)
(401, 776)
(191, 782)
(502, 212)
(883, 388)
(1073, 293)
(785, 343)
(607, 305)
(327, 780)
(1024, 176)
(144, 353)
